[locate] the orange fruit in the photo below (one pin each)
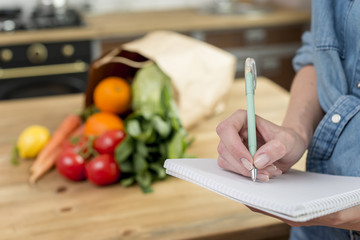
(100, 122)
(113, 94)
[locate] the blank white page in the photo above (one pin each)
(295, 195)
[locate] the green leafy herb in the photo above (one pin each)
(14, 159)
(88, 111)
(154, 130)
(124, 150)
(126, 182)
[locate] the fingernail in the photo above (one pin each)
(263, 177)
(262, 160)
(246, 163)
(278, 173)
(271, 169)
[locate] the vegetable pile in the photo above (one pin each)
(124, 137)
(154, 130)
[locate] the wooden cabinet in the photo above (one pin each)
(273, 48)
(234, 38)
(111, 43)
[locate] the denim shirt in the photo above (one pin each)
(333, 47)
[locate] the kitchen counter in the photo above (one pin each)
(271, 38)
(117, 25)
(55, 208)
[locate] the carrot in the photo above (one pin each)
(78, 132)
(40, 170)
(64, 130)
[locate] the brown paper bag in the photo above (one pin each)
(201, 74)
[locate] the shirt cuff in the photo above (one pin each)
(304, 55)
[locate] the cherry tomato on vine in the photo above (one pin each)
(103, 170)
(71, 165)
(81, 145)
(107, 142)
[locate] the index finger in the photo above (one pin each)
(228, 131)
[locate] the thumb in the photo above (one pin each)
(268, 153)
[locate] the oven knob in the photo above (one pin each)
(37, 53)
(68, 50)
(6, 55)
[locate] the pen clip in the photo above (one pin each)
(250, 66)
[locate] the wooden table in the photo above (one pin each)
(59, 209)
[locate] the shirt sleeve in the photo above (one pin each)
(304, 55)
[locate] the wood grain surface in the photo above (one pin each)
(58, 209)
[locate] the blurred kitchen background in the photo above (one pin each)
(106, 6)
(46, 46)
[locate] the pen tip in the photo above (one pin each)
(253, 174)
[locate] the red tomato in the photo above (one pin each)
(107, 142)
(77, 145)
(103, 170)
(71, 166)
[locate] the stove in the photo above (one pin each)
(43, 68)
(54, 19)
(12, 19)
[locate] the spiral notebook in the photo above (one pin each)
(296, 195)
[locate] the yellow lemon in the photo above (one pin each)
(32, 140)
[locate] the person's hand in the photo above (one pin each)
(278, 147)
(345, 219)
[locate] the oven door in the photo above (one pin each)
(40, 81)
(44, 69)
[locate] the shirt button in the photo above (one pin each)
(336, 118)
(358, 85)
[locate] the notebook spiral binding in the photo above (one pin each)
(331, 204)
